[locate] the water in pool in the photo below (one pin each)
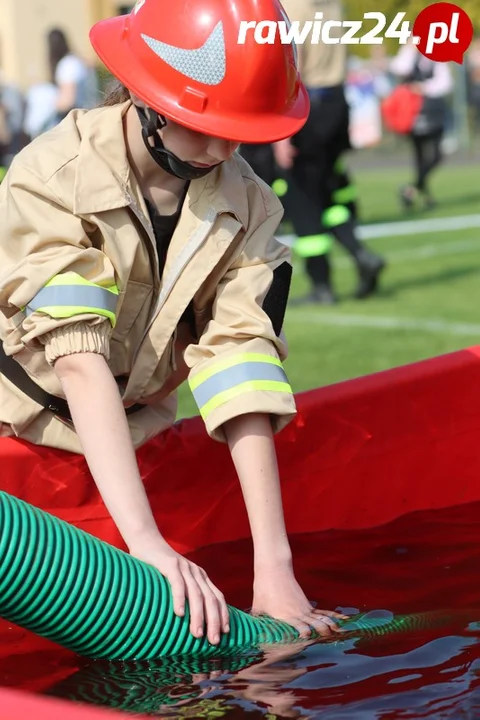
(423, 563)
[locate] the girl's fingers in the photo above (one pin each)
(195, 599)
(330, 613)
(303, 628)
(224, 614)
(177, 585)
(211, 608)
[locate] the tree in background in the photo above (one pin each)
(355, 9)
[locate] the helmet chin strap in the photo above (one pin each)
(152, 122)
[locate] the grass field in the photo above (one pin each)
(429, 301)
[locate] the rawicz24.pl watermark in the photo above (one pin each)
(442, 31)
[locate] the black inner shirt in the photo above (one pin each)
(163, 228)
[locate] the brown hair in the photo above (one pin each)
(58, 48)
(115, 95)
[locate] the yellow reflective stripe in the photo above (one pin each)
(227, 395)
(65, 311)
(73, 278)
(231, 362)
(69, 294)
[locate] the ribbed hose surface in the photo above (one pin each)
(87, 596)
(98, 601)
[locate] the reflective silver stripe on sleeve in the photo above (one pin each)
(236, 375)
(83, 296)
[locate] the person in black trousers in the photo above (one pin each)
(309, 175)
(433, 81)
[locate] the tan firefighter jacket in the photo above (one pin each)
(79, 273)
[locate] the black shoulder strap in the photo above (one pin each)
(14, 372)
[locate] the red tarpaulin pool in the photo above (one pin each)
(384, 445)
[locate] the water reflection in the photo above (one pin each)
(210, 688)
(425, 668)
(394, 679)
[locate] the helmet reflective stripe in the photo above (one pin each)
(206, 64)
(138, 5)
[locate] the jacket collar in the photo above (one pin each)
(103, 179)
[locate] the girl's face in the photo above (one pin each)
(195, 148)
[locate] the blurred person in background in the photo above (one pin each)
(379, 65)
(72, 85)
(473, 72)
(434, 82)
(73, 76)
(317, 193)
(261, 159)
(40, 110)
(12, 108)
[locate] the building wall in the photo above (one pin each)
(24, 25)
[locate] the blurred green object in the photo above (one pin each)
(280, 187)
(313, 245)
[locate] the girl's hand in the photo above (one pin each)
(284, 152)
(187, 581)
(277, 593)
(416, 88)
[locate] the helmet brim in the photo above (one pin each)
(108, 41)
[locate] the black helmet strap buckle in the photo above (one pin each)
(151, 123)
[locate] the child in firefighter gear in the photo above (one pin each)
(137, 249)
(309, 161)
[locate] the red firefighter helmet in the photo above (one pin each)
(183, 58)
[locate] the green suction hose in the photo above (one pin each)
(376, 624)
(89, 597)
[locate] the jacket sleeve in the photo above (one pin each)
(57, 291)
(237, 365)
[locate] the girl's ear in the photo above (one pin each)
(136, 100)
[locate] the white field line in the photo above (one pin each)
(405, 255)
(397, 257)
(385, 323)
(423, 252)
(408, 227)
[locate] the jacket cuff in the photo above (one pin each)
(280, 417)
(241, 384)
(77, 338)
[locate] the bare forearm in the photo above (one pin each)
(66, 97)
(100, 421)
(250, 440)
